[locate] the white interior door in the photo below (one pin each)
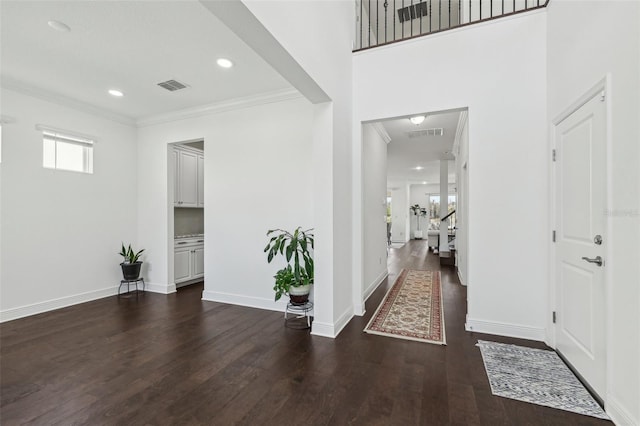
(580, 238)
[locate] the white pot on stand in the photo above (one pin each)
(417, 234)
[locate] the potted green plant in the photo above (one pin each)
(296, 278)
(418, 212)
(131, 264)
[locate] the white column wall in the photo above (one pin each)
(301, 28)
(374, 238)
(588, 41)
(498, 70)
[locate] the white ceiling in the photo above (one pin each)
(404, 154)
(131, 46)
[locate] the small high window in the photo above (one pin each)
(65, 151)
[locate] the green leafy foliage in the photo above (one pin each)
(297, 249)
(129, 255)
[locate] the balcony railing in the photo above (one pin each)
(380, 22)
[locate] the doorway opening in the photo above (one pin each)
(186, 213)
(408, 164)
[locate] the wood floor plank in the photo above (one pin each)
(154, 359)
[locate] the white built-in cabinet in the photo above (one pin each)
(188, 177)
(188, 262)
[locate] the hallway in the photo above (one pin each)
(172, 360)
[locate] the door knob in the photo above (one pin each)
(597, 260)
(597, 240)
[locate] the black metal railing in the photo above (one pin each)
(380, 22)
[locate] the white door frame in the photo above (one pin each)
(602, 86)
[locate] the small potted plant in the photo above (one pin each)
(297, 277)
(418, 212)
(130, 265)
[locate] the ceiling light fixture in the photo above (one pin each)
(417, 119)
(116, 93)
(224, 63)
(59, 26)
(418, 168)
(424, 182)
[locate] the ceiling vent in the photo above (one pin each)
(172, 85)
(437, 131)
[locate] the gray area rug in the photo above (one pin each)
(536, 376)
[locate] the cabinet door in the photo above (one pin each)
(188, 178)
(176, 180)
(200, 180)
(198, 262)
(182, 265)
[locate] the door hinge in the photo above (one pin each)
(553, 236)
(553, 155)
(602, 96)
(553, 316)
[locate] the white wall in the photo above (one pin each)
(374, 169)
(61, 231)
(326, 57)
(257, 177)
(498, 70)
(588, 40)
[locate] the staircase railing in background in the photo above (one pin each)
(381, 22)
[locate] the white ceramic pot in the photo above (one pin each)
(417, 235)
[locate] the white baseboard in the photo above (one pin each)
(62, 302)
(619, 415)
(331, 330)
(505, 329)
(249, 301)
(160, 288)
(374, 285)
(359, 308)
(460, 277)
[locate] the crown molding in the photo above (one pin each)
(218, 107)
(379, 127)
(462, 120)
(46, 95)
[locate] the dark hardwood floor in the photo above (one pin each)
(174, 360)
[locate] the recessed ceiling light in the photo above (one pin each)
(424, 182)
(116, 93)
(224, 63)
(417, 119)
(418, 168)
(59, 26)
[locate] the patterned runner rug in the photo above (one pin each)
(537, 376)
(411, 309)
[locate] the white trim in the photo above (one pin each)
(242, 300)
(218, 107)
(460, 276)
(505, 329)
(332, 330)
(379, 127)
(462, 120)
(5, 119)
(61, 302)
(160, 288)
(359, 308)
(618, 414)
(45, 95)
(374, 285)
